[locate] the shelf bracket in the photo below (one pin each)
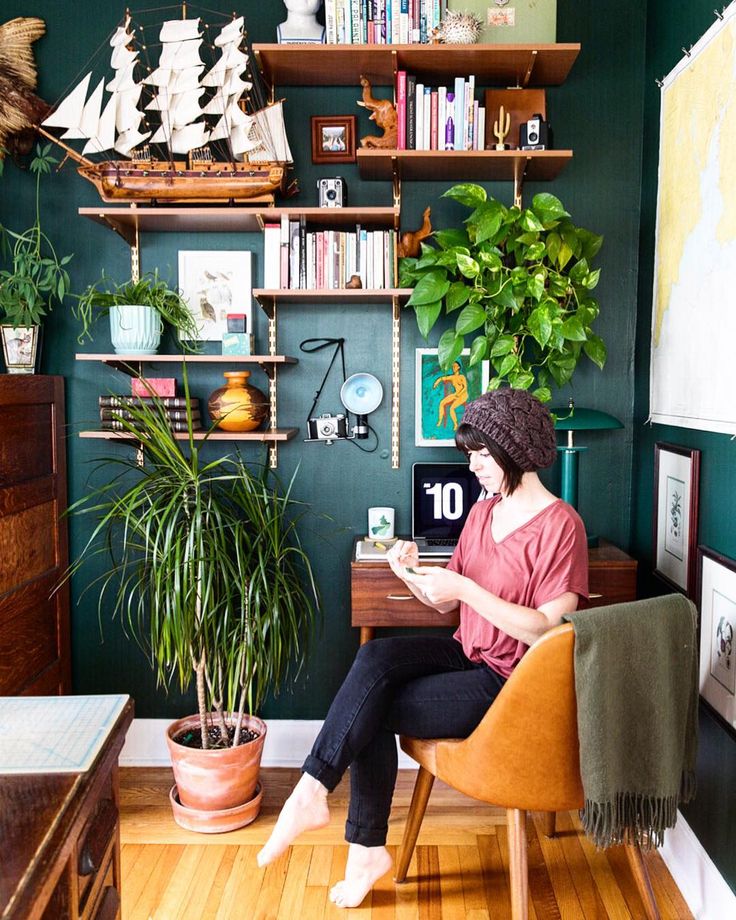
(530, 69)
(520, 168)
(396, 182)
(395, 380)
(273, 451)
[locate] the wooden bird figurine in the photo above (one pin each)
(409, 242)
(20, 108)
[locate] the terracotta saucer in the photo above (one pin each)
(215, 822)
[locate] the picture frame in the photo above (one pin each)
(333, 138)
(436, 414)
(717, 604)
(675, 515)
(215, 283)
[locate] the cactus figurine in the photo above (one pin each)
(501, 128)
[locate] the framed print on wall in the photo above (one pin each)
(333, 138)
(717, 601)
(675, 515)
(215, 283)
(440, 396)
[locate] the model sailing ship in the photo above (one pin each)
(235, 145)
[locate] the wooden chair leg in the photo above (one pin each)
(549, 823)
(419, 799)
(518, 870)
(643, 882)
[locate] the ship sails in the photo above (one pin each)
(193, 105)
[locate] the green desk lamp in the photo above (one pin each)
(572, 419)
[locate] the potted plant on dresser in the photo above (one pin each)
(33, 279)
(138, 309)
(520, 282)
(207, 573)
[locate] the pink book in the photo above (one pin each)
(401, 108)
(433, 112)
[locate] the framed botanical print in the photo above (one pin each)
(441, 396)
(717, 601)
(675, 515)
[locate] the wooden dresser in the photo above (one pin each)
(34, 624)
(60, 835)
(379, 598)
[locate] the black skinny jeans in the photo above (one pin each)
(410, 685)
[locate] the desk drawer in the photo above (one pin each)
(611, 584)
(379, 598)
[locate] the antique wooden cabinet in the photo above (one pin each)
(34, 620)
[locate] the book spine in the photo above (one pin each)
(177, 415)
(459, 113)
(112, 424)
(302, 253)
(476, 125)
(433, 116)
(404, 23)
(271, 256)
(450, 122)
(364, 257)
(427, 118)
(401, 108)
(441, 116)
(419, 128)
(411, 112)
(330, 22)
(284, 273)
(113, 401)
(356, 29)
(470, 112)
(395, 21)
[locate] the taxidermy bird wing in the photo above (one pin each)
(20, 107)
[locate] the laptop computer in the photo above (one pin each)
(442, 495)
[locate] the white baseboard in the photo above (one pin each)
(704, 889)
(288, 742)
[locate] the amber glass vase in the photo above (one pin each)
(238, 406)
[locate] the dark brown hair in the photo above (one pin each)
(468, 437)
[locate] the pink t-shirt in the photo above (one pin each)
(531, 566)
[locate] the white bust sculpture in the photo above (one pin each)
(300, 25)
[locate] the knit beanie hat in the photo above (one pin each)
(519, 423)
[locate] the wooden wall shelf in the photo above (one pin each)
(269, 434)
(267, 297)
(130, 364)
(487, 165)
(342, 65)
(129, 221)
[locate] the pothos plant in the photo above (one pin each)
(37, 276)
(520, 281)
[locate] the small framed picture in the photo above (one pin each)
(215, 283)
(675, 515)
(333, 138)
(717, 601)
(441, 396)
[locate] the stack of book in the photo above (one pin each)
(443, 118)
(113, 409)
(382, 22)
(294, 258)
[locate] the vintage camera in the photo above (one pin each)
(534, 134)
(327, 427)
(332, 193)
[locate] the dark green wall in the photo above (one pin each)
(597, 113)
(712, 815)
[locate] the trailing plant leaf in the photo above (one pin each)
(521, 279)
(37, 278)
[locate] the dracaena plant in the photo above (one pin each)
(35, 278)
(520, 281)
(204, 567)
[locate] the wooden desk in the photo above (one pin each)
(60, 836)
(379, 598)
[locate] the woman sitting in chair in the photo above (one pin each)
(520, 564)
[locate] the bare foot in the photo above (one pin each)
(306, 809)
(365, 866)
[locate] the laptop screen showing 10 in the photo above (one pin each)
(442, 496)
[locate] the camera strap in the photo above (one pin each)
(312, 345)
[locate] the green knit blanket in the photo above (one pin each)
(636, 680)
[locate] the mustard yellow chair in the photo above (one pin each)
(523, 757)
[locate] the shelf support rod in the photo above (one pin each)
(135, 256)
(273, 451)
(396, 182)
(519, 173)
(530, 68)
(395, 380)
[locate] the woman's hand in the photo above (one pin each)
(439, 585)
(402, 555)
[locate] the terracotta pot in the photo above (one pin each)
(238, 406)
(218, 779)
(215, 822)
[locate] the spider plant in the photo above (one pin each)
(206, 569)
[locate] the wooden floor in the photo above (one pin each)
(459, 872)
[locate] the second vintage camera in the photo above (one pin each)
(332, 193)
(327, 427)
(534, 134)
